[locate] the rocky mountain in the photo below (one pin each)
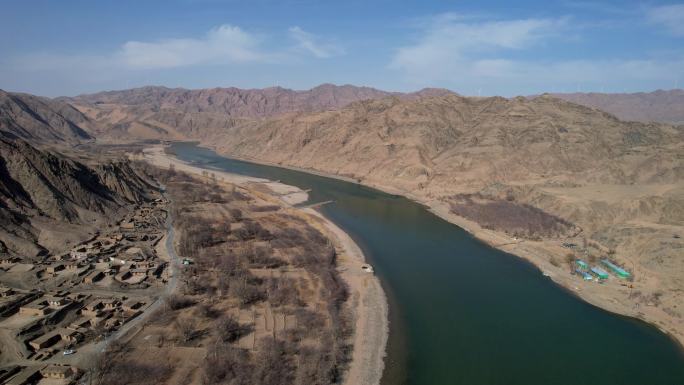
(657, 106)
(41, 119)
(250, 103)
(453, 143)
(160, 112)
(44, 195)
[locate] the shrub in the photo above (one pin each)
(177, 302)
(230, 330)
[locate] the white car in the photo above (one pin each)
(69, 352)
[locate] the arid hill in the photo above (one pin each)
(160, 112)
(657, 106)
(41, 119)
(453, 143)
(250, 103)
(48, 199)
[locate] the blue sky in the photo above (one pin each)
(505, 48)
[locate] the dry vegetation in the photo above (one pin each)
(517, 219)
(261, 302)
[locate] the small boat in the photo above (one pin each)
(367, 268)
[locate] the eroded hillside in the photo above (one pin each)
(51, 200)
(41, 119)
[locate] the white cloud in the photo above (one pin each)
(451, 42)
(671, 17)
(225, 44)
(466, 54)
(311, 44)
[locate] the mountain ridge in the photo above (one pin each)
(666, 106)
(41, 119)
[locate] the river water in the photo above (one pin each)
(462, 312)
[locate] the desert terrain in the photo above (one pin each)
(568, 187)
(550, 180)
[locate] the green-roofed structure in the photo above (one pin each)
(620, 272)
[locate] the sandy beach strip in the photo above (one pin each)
(367, 302)
(369, 307)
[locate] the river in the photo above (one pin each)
(462, 312)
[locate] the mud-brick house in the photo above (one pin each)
(59, 372)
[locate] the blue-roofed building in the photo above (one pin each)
(586, 276)
(600, 273)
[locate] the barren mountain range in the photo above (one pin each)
(657, 106)
(583, 172)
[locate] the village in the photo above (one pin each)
(62, 305)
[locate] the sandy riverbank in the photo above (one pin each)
(288, 194)
(613, 295)
(367, 298)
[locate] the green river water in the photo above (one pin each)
(464, 313)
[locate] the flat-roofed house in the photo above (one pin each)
(58, 372)
(81, 323)
(93, 309)
(38, 307)
(54, 268)
(70, 336)
(46, 340)
(7, 260)
(93, 276)
(111, 303)
(131, 304)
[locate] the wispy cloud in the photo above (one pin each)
(465, 53)
(670, 17)
(451, 43)
(309, 43)
(221, 45)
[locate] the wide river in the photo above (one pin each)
(464, 313)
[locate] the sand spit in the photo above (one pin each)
(367, 298)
